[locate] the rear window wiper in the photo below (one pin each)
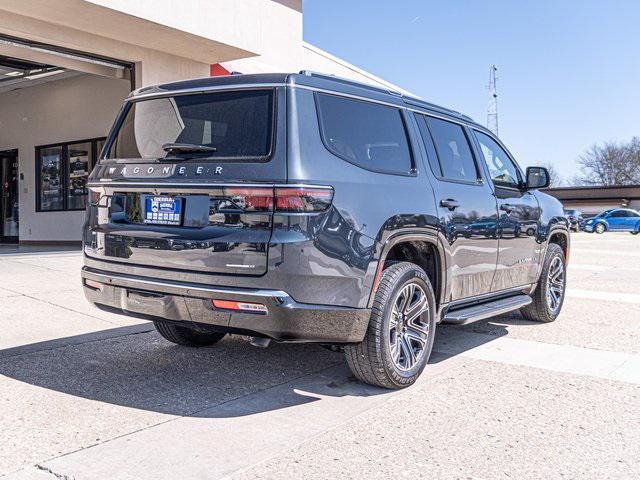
(187, 147)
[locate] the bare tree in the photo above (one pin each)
(611, 164)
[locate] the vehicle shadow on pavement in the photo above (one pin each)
(134, 367)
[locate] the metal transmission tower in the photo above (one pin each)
(492, 109)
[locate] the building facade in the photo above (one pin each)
(67, 65)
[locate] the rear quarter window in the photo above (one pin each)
(369, 135)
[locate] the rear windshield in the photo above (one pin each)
(234, 125)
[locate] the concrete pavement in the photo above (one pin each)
(87, 394)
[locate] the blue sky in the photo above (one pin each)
(569, 71)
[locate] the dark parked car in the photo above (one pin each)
(306, 208)
(575, 219)
(615, 220)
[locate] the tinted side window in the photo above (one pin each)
(369, 135)
(502, 170)
(619, 214)
(454, 152)
(432, 156)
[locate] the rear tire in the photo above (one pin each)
(549, 294)
(399, 339)
(185, 336)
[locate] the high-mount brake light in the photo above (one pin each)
(303, 199)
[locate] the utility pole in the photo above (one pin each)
(492, 109)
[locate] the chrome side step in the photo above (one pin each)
(486, 310)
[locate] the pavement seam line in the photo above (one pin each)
(51, 472)
(68, 345)
(468, 353)
(315, 436)
(189, 414)
(47, 302)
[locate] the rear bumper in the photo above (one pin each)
(286, 320)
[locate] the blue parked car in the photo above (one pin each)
(615, 220)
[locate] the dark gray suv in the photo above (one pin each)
(307, 208)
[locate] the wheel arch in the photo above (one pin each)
(420, 248)
(561, 237)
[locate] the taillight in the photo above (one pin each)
(280, 199)
(257, 199)
(303, 199)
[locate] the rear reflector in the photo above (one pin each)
(93, 284)
(239, 306)
(378, 277)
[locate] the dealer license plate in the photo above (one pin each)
(162, 210)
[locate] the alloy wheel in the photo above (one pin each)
(555, 284)
(409, 326)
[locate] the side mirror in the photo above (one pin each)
(537, 177)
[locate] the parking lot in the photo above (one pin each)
(92, 395)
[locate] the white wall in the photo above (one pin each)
(292, 55)
(316, 59)
(59, 111)
(169, 40)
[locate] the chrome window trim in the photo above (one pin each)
(108, 183)
(389, 104)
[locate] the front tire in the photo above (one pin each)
(549, 294)
(399, 339)
(600, 228)
(185, 336)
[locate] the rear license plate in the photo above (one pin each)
(162, 210)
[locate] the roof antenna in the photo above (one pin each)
(492, 108)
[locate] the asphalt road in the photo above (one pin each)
(90, 395)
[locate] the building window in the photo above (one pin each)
(62, 172)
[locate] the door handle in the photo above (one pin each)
(507, 207)
(449, 203)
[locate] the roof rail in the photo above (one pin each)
(327, 76)
(418, 102)
(410, 100)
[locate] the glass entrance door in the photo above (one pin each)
(9, 196)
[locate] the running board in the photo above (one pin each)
(486, 310)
